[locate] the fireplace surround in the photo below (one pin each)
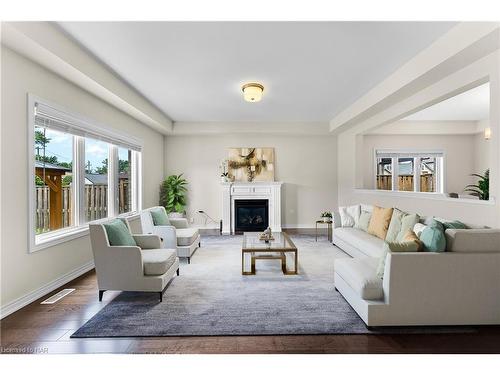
(234, 191)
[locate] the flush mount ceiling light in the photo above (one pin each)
(252, 92)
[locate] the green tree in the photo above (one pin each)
(123, 165)
(104, 168)
(67, 180)
(40, 139)
(47, 159)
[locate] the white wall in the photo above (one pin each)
(481, 153)
(23, 273)
(460, 155)
(306, 165)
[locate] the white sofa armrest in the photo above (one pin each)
(179, 223)
(168, 236)
(458, 285)
(472, 240)
(147, 241)
(118, 264)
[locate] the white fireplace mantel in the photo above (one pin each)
(251, 190)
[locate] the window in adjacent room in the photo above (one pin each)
(417, 171)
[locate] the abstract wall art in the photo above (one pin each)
(251, 164)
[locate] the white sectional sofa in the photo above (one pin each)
(458, 287)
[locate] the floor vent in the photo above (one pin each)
(56, 297)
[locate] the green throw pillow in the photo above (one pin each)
(159, 217)
(118, 233)
(407, 224)
(433, 237)
(454, 225)
(394, 247)
(364, 220)
(394, 225)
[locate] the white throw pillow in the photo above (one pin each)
(367, 207)
(418, 229)
(349, 216)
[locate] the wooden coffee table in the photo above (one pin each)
(275, 249)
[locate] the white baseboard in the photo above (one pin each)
(20, 302)
(297, 226)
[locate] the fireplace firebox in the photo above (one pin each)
(251, 215)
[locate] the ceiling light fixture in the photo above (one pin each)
(252, 92)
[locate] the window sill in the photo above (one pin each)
(431, 196)
(43, 241)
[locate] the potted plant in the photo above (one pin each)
(482, 188)
(326, 216)
(173, 195)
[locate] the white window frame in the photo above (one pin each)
(80, 128)
(394, 155)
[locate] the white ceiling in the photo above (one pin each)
(311, 71)
(471, 105)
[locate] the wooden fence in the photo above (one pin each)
(95, 200)
(405, 183)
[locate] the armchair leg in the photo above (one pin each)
(101, 292)
(177, 272)
(189, 260)
(161, 296)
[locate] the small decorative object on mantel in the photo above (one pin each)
(224, 170)
(267, 235)
(326, 216)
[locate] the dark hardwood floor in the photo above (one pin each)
(47, 329)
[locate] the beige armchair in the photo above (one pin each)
(176, 235)
(146, 267)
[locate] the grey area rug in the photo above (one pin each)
(212, 298)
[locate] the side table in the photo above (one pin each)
(329, 227)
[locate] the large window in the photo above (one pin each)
(417, 171)
(80, 173)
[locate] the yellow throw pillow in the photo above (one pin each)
(379, 223)
(412, 236)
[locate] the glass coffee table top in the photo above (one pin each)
(281, 241)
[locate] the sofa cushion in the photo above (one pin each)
(360, 274)
(369, 245)
(396, 247)
(186, 236)
(473, 240)
(455, 224)
(433, 237)
(364, 221)
(407, 224)
(394, 225)
(349, 216)
(379, 222)
(157, 261)
(159, 216)
(118, 233)
(418, 228)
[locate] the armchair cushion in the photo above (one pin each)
(159, 216)
(186, 236)
(179, 222)
(147, 241)
(119, 234)
(158, 261)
